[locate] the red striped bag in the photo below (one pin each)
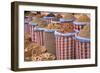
(48, 19)
(27, 24)
(82, 48)
(64, 46)
(38, 32)
(27, 28)
(32, 26)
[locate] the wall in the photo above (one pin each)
(5, 28)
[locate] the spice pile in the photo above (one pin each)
(83, 18)
(35, 52)
(85, 32)
(66, 28)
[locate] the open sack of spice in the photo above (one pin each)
(65, 42)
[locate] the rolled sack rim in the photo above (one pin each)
(49, 30)
(27, 16)
(47, 17)
(80, 23)
(82, 39)
(76, 30)
(38, 28)
(66, 20)
(64, 34)
(33, 23)
(55, 22)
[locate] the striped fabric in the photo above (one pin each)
(82, 50)
(32, 32)
(27, 28)
(49, 20)
(78, 27)
(49, 42)
(26, 24)
(38, 37)
(64, 47)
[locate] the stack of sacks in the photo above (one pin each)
(57, 33)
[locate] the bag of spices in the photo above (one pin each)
(80, 22)
(82, 41)
(49, 41)
(32, 26)
(64, 45)
(38, 32)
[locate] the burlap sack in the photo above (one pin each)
(49, 41)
